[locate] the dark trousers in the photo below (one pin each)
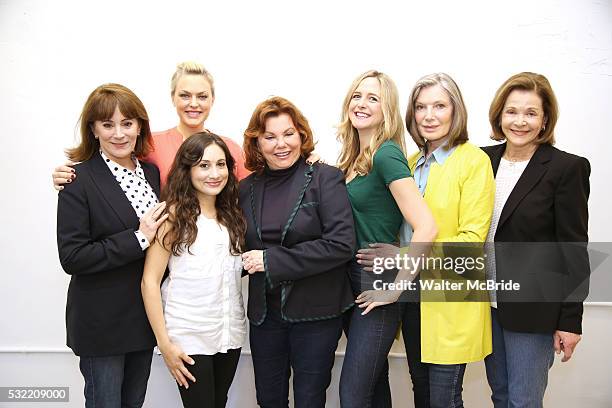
(433, 385)
(446, 385)
(116, 381)
(214, 375)
(419, 372)
(307, 348)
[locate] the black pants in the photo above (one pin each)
(419, 372)
(214, 375)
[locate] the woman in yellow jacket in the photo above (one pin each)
(447, 329)
(456, 180)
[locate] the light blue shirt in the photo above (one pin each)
(421, 174)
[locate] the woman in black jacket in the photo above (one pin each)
(106, 219)
(539, 227)
(300, 238)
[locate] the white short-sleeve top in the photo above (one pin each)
(202, 297)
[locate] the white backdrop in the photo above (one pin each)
(54, 53)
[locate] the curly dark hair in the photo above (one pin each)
(182, 200)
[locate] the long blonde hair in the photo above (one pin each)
(391, 128)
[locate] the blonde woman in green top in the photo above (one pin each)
(382, 194)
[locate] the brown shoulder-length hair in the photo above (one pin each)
(100, 105)
(182, 199)
(526, 81)
(458, 133)
(269, 108)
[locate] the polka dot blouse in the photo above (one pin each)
(137, 190)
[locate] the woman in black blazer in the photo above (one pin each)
(539, 227)
(106, 218)
(300, 238)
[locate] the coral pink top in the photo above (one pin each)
(167, 143)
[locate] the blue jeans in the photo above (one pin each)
(116, 381)
(308, 348)
(364, 380)
(517, 370)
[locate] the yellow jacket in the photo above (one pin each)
(460, 194)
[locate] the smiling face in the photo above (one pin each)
(365, 109)
(193, 99)
(522, 118)
(433, 114)
(117, 137)
(281, 143)
(209, 176)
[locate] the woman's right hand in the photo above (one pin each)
(314, 158)
(175, 359)
(371, 299)
(63, 174)
(152, 220)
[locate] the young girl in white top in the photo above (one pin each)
(198, 315)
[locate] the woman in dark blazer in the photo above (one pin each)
(539, 227)
(300, 238)
(106, 218)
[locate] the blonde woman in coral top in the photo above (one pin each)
(193, 94)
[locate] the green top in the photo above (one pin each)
(377, 216)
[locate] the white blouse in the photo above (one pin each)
(202, 297)
(508, 174)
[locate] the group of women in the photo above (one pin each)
(168, 273)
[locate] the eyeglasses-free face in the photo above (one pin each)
(523, 118)
(281, 143)
(433, 113)
(193, 100)
(117, 137)
(209, 176)
(365, 110)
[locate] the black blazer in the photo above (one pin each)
(95, 238)
(317, 244)
(547, 205)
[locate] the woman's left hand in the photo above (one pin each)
(565, 342)
(374, 298)
(366, 256)
(252, 261)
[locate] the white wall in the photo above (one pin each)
(54, 53)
